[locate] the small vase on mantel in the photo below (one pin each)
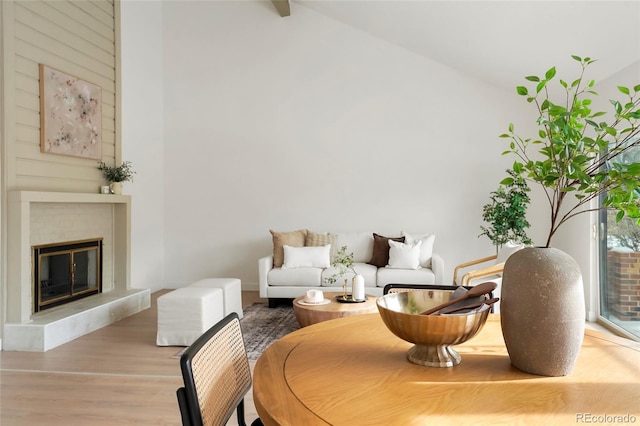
(542, 311)
(116, 188)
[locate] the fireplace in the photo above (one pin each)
(64, 272)
(40, 219)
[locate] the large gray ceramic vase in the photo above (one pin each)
(542, 311)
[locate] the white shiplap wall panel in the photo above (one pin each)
(97, 13)
(28, 117)
(27, 100)
(26, 83)
(43, 25)
(77, 38)
(86, 64)
(106, 6)
(48, 10)
(83, 19)
(24, 66)
(28, 134)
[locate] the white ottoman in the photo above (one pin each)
(186, 313)
(232, 290)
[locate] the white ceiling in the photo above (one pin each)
(500, 42)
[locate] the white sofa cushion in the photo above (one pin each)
(301, 257)
(426, 250)
(303, 277)
(405, 276)
(360, 243)
(364, 269)
(404, 256)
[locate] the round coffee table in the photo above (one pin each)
(308, 314)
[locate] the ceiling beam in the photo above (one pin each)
(283, 7)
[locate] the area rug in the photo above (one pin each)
(261, 326)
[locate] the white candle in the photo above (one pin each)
(357, 287)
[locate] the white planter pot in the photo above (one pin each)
(116, 188)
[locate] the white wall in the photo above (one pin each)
(284, 123)
(296, 122)
(143, 136)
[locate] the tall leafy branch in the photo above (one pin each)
(580, 154)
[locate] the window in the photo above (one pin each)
(619, 306)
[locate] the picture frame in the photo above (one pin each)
(70, 115)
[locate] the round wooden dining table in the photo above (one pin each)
(353, 371)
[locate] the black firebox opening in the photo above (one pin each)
(67, 271)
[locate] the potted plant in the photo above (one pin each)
(576, 159)
(343, 263)
(506, 213)
(116, 175)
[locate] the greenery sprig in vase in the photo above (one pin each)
(343, 263)
(116, 175)
(580, 154)
(122, 173)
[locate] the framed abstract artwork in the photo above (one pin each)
(70, 115)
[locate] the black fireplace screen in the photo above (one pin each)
(66, 271)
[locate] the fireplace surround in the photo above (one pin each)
(40, 218)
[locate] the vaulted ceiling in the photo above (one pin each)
(500, 41)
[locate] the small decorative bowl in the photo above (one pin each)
(432, 335)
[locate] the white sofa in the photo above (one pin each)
(277, 282)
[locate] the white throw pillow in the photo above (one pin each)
(306, 257)
(404, 256)
(426, 252)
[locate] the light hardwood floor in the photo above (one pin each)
(113, 376)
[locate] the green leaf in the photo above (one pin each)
(592, 124)
(616, 105)
(540, 86)
(522, 90)
(532, 78)
(545, 105)
(577, 58)
(550, 73)
(511, 127)
(507, 181)
(624, 90)
(636, 88)
(619, 216)
(518, 167)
